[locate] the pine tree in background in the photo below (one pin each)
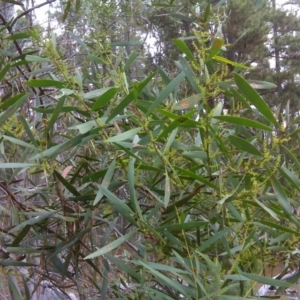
(285, 55)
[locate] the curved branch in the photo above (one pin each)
(30, 10)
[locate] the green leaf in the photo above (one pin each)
(106, 181)
(28, 131)
(164, 279)
(19, 142)
(267, 209)
(254, 98)
(207, 12)
(187, 102)
(167, 190)
(95, 93)
(66, 11)
(180, 44)
(166, 92)
(243, 145)
(14, 103)
(216, 47)
(132, 191)
(124, 135)
(66, 184)
(4, 71)
(38, 219)
(104, 99)
(119, 205)
(57, 149)
(54, 117)
(129, 98)
(243, 121)
(124, 267)
(125, 43)
(16, 165)
(34, 58)
(279, 227)
(281, 196)
(113, 245)
(189, 75)
(78, 40)
(13, 289)
(266, 280)
(18, 36)
(181, 226)
(212, 240)
(130, 60)
(227, 61)
(45, 83)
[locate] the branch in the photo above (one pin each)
(30, 10)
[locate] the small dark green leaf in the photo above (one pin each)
(243, 121)
(243, 145)
(45, 83)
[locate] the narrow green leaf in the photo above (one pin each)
(227, 61)
(45, 83)
(66, 184)
(66, 11)
(4, 71)
(78, 40)
(104, 99)
(125, 43)
(187, 102)
(57, 149)
(167, 189)
(113, 245)
(216, 47)
(16, 165)
(130, 60)
(243, 121)
(28, 131)
(69, 243)
(279, 227)
(266, 280)
(19, 142)
(207, 12)
(166, 92)
(18, 36)
(119, 205)
(95, 93)
(14, 289)
(189, 75)
(243, 145)
(291, 177)
(180, 44)
(254, 98)
(281, 196)
(124, 267)
(163, 278)
(15, 263)
(181, 226)
(34, 58)
(55, 115)
(267, 209)
(132, 191)
(38, 219)
(129, 98)
(106, 181)
(15, 103)
(213, 239)
(196, 177)
(124, 135)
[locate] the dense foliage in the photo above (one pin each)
(132, 175)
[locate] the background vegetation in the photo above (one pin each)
(148, 150)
